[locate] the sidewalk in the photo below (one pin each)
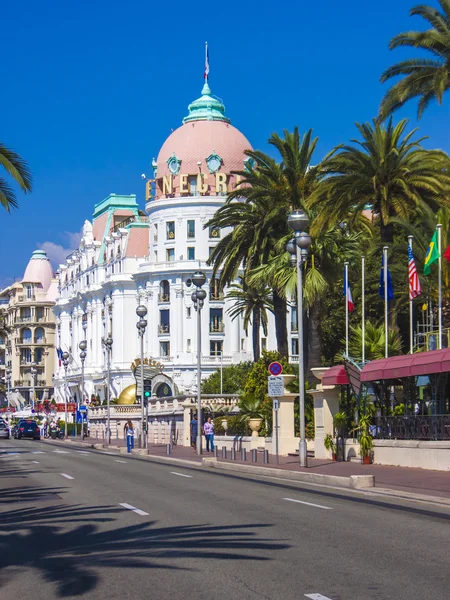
(401, 479)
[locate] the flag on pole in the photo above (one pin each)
(447, 254)
(432, 254)
(59, 354)
(348, 294)
(390, 289)
(206, 63)
(415, 289)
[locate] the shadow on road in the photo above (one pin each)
(70, 544)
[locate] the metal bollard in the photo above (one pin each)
(168, 449)
(266, 457)
(254, 455)
(243, 454)
(215, 451)
(224, 451)
(233, 453)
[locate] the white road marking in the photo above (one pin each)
(36, 462)
(122, 461)
(66, 476)
(61, 451)
(13, 453)
(82, 452)
(38, 452)
(180, 474)
(133, 508)
(317, 597)
(309, 504)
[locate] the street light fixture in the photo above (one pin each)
(198, 298)
(82, 346)
(141, 325)
(33, 371)
(298, 248)
(8, 387)
(65, 357)
(107, 344)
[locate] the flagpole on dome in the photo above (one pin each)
(439, 229)
(411, 308)
(206, 75)
(363, 311)
(346, 307)
(386, 302)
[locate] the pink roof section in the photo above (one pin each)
(39, 270)
(137, 242)
(195, 141)
(52, 292)
(98, 227)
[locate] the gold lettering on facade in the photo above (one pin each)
(184, 185)
(202, 187)
(221, 183)
(238, 179)
(167, 184)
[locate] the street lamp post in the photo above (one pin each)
(198, 298)
(298, 248)
(108, 347)
(65, 357)
(82, 346)
(141, 325)
(8, 387)
(33, 371)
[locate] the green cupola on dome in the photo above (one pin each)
(206, 108)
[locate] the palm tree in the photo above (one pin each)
(387, 171)
(373, 342)
(272, 190)
(15, 166)
(251, 302)
(425, 78)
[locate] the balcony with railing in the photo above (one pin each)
(215, 296)
(164, 328)
(163, 298)
(217, 327)
(28, 362)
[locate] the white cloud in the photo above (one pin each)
(57, 253)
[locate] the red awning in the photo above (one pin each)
(409, 365)
(335, 376)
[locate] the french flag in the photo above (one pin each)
(348, 294)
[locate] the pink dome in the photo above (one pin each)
(194, 142)
(39, 270)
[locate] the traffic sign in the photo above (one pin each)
(276, 405)
(83, 408)
(275, 368)
(276, 386)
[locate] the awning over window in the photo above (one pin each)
(335, 376)
(410, 365)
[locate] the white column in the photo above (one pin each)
(178, 321)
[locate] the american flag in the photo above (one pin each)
(415, 289)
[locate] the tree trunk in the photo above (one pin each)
(256, 325)
(314, 340)
(280, 312)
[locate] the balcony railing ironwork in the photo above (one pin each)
(164, 298)
(412, 427)
(216, 296)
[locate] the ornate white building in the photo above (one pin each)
(128, 258)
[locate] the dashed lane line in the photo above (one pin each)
(309, 504)
(317, 597)
(36, 462)
(61, 452)
(38, 452)
(133, 508)
(180, 474)
(124, 462)
(66, 476)
(82, 452)
(13, 453)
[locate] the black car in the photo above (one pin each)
(27, 429)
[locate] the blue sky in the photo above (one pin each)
(92, 89)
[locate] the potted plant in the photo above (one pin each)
(365, 440)
(250, 412)
(330, 445)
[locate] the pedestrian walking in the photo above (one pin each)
(129, 434)
(208, 428)
(194, 432)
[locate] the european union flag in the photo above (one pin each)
(390, 289)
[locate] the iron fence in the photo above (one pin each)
(412, 427)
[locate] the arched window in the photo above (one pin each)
(39, 335)
(164, 291)
(26, 335)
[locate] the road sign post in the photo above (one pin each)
(276, 407)
(275, 386)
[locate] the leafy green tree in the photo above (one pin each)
(428, 77)
(18, 169)
(252, 301)
(233, 379)
(374, 342)
(387, 171)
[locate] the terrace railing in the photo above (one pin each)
(414, 427)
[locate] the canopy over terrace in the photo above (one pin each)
(410, 365)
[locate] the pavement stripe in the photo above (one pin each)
(36, 462)
(66, 476)
(124, 462)
(82, 452)
(317, 597)
(61, 451)
(133, 508)
(180, 474)
(309, 504)
(13, 453)
(38, 452)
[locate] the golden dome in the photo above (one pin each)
(128, 395)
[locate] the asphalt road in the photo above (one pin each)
(102, 526)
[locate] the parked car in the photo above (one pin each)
(4, 430)
(27, 429)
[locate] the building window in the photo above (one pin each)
(188, 312)
(295, 346)
(170, 254)
(188, 345)
(39, 335)
(214, 232)
(40, 313)
(26, 336)
(164, 291)
(191, 253)
(214, 290)
(156, 256)
(26, 355)
(38, 355)
(242, 343)
(191, 228)
(215, 348)
(164, 349)
(216, 320)
(164, 321)
(29, 292)
(193, 185)
(170, 230)
(294, 326)
(264, 344)
(87, 280)
(155, 232)
(211, 250)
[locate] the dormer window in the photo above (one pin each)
(213, 162)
